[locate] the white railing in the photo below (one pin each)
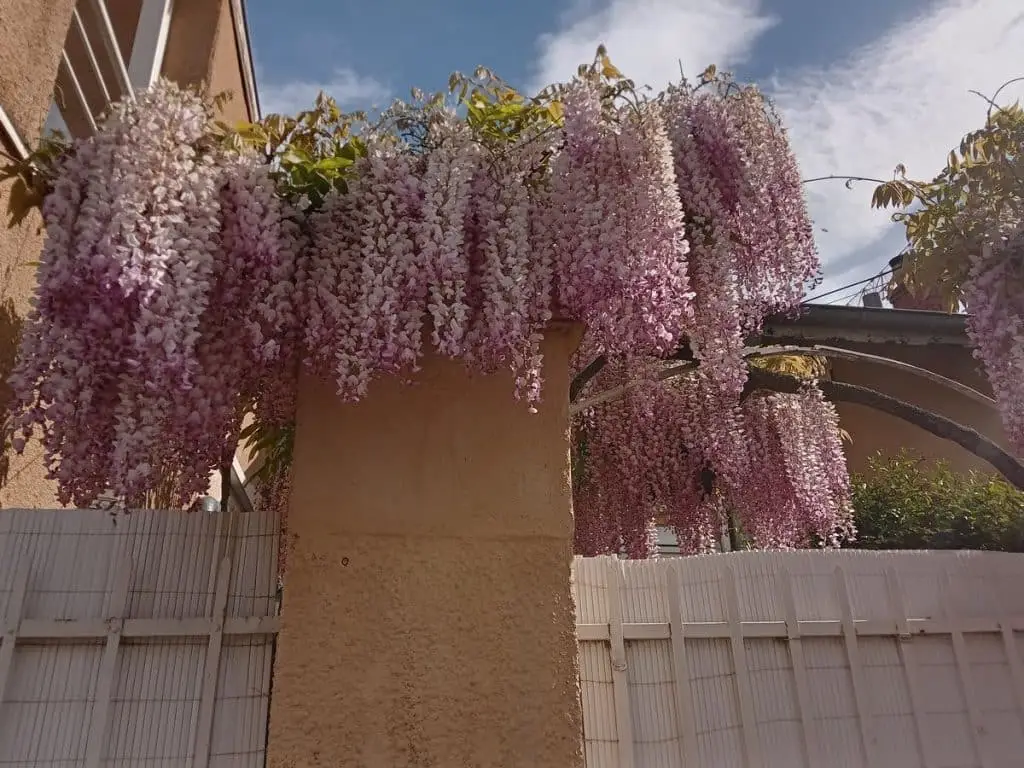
(96, 69)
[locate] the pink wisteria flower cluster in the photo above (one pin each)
(643, 460)
(441, 244)
(690, 451)
(805, 497)
(179, 291)
(994, 294)
(163, 290)
(648, 459)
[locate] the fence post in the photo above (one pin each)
(108, 665)
(856, 670)
(907, 657)
(620, 677)
(1006, 629)
(12, 620)
(963, 668)
(748, 721)
(211, 665)
(811, 747)
(683, 696)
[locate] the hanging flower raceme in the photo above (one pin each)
(804, 499)
(775, 252)
(508, 289)
(126, 364)
(639, 465)
(616, 226)
(994, 293)
(245, 349)
(365, 281)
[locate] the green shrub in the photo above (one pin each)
(905, 502)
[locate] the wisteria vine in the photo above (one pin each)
(162, 296)
(185, 281)
(965, 246)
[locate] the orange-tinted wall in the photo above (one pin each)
(427, 616)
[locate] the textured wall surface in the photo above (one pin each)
(873, 431)
(31, 37)
(427, 614)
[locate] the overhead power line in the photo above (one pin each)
(854, 284)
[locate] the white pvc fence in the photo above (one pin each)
(140, 640)
(803, 659)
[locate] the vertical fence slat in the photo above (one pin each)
(963, 669)
(748, 721)
(211, 665)
(810, 746)
(681, 675)
(1016, 670)
(12, 619)
(904, 645)
(620, 678)
(108, 665)
(76, 86)
(856, 669)
(83, 35)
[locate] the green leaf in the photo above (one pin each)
(608, 69)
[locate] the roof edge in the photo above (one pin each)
(824, 323)
(243, 40)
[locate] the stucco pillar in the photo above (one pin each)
(427, 618)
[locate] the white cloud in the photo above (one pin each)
(904, 98)
(648, 39)
(350, 89)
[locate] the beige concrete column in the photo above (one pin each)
(427, 617)
(32, 35)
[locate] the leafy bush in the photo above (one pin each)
(905, 502)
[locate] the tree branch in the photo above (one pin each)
(583, 377)
(837, 391)
(683, 354)
(899, 365)
(617, 392)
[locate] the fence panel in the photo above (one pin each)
(139, 639)
(778, 660)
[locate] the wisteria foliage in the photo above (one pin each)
(965, 246)
(183, 284)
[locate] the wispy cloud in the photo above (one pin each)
(650, 39)
(904, 98)
(350, 89)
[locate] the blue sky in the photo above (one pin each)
(862, 84)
